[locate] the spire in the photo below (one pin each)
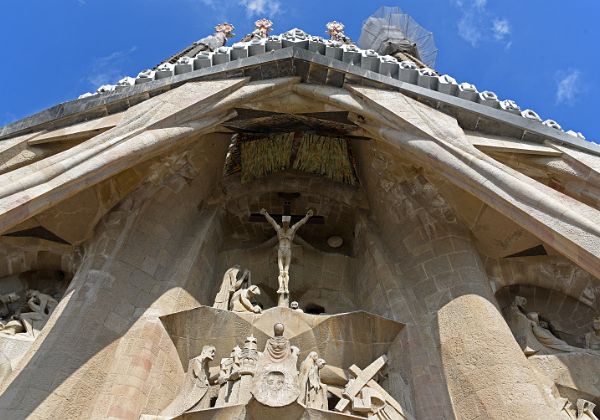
(223, 31)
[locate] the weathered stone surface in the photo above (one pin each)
(441, 231)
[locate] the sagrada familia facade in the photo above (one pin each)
(298, 227)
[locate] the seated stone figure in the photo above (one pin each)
(229, 376)
(592, 339)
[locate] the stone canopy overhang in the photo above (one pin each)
(427, 126)
(312, 68)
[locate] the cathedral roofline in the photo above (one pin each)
(478, 111)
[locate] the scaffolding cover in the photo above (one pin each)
(390, 24)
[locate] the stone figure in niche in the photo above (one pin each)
(41, 306)
(276, 380)
(228, 378)
(533, 333)
(294, 305)
(592, 339)
(241, 301)
(195, 390)
(5, 301)
(520, 325)
(9, 323)
(285, 235)
(230, 284)
(545, 337)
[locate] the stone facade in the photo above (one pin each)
(454, 235)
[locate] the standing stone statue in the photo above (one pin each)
(285, 234)
(231, 283)
(241, 301)
(228, 378)
(313, 393)
(276, 380)
(592, 339)
(194, 392)
(316, 397)
(248, 360)
(305, 368)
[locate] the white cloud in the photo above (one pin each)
(568, 86)
(480, 4)
(501, 29)
(477, 24)
(108, 69)
(261, 8)
(469, 29)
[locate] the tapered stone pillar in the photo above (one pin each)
(420, 267)
(487, 374)
(104, 352)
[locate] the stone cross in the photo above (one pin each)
(362, 378)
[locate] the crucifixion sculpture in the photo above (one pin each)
(285, 235)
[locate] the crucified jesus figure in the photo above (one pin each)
(285, 235)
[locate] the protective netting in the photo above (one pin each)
(392, 24)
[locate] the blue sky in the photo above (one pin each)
(542, 54)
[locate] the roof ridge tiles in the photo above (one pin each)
(354, 57)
